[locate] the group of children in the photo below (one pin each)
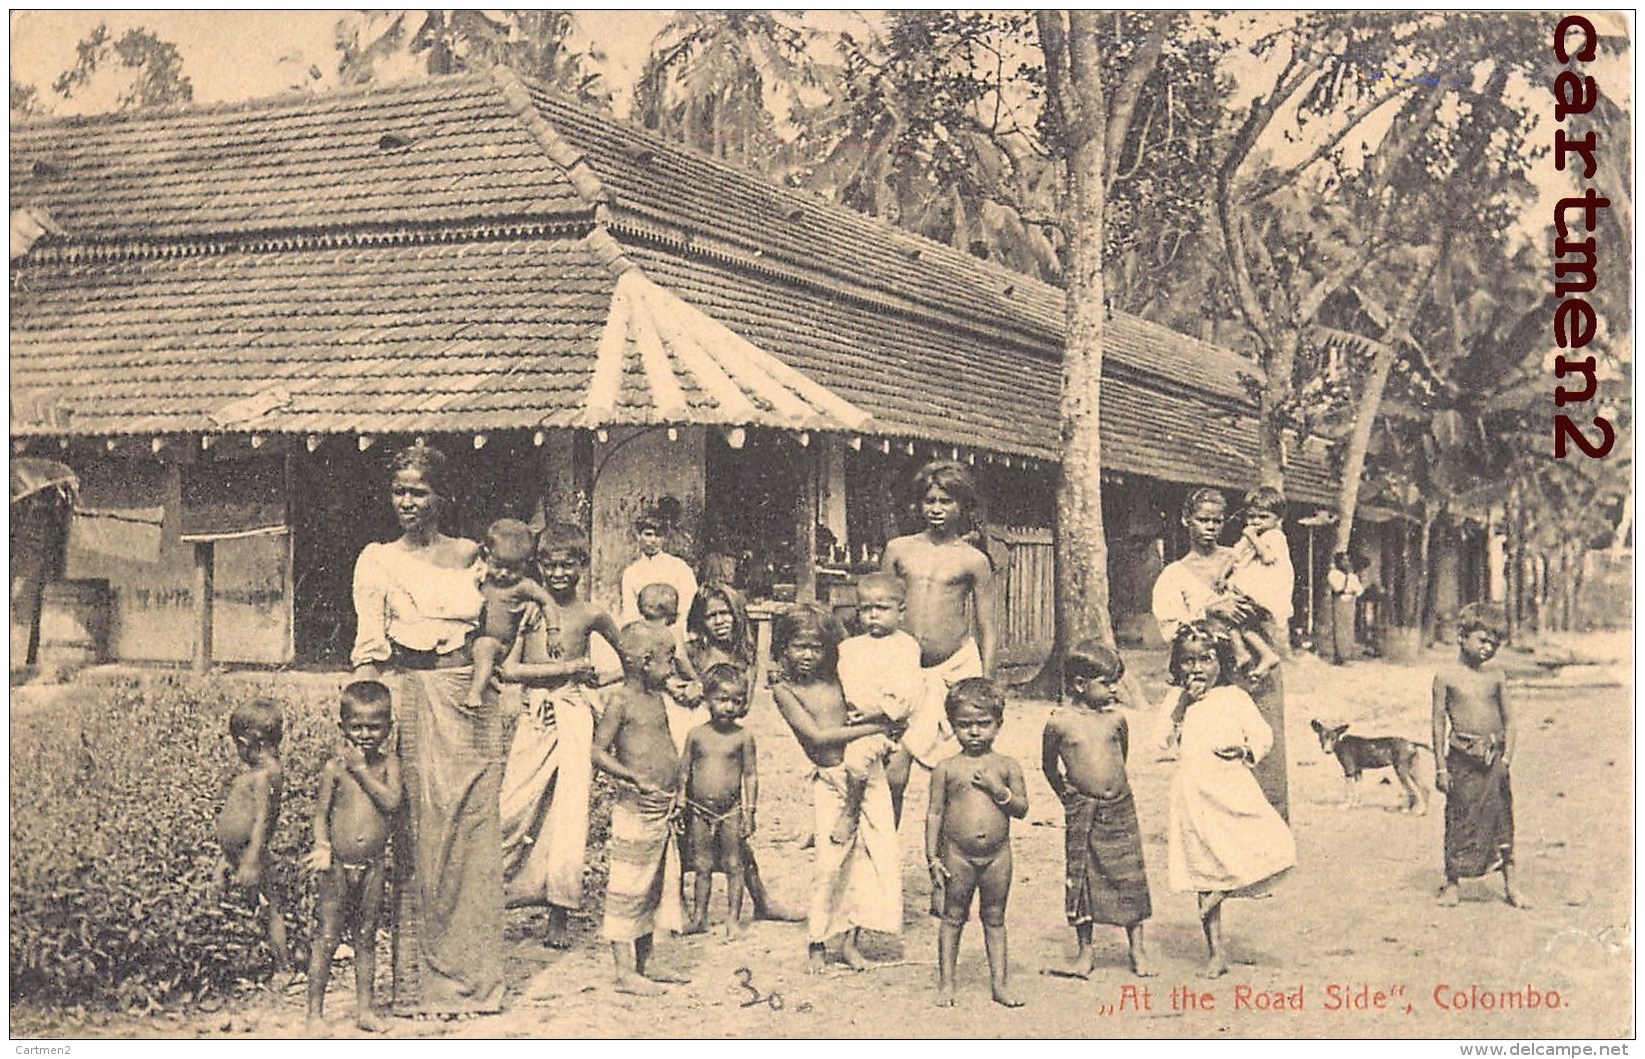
(910, 688)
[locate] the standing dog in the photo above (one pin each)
(1358, 753)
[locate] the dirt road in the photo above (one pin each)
(1352, 945)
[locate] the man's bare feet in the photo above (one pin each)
(735, 929)
(1141, 966)
(945, 997)
(1449, 896)
(816, 960)
(654, 975)
(1005, 998)
(638, 985)
(1215, 967)
(694, 927)
(558, 934)
(1084, 963)
(1516, 898)
(368, 1021)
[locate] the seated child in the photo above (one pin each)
(719, 788)
(508, 553)
(659, 606)
(632, 743)
(974, 795)
(250, 811)
(1084, 750)
(1261, 571)
(1475, 736)
(359, 794)
(881, 676)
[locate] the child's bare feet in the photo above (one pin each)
(816, 959)
(1516, 898)
(558, 935)
(694, 927)
(1004, 997)
(852, 955)
(735, 929)
(1215, 967)
(1449, 897)
(1141, 965)
(1085, 961)
(777, 913)
(945, 996)
(369, 1022)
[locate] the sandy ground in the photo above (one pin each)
(1352, 945)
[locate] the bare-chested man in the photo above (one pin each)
(948, 582)
(1475, 735)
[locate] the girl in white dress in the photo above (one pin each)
(1224, 838)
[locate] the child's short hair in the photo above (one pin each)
(808, 617)
(364, 694)
(657, 601)
(883, 581)
(1265, 500)
(509, 540)
(563, 537)
(1483, 616)
(722, 675)
(637, 640)
(975, 691)
(1203, 495)
(1092, 658)
(1201, 632)
(259, 719)
(952, 478)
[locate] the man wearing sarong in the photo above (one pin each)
(1475, 734)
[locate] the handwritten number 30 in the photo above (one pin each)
(774, 1000)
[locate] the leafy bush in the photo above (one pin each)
(114, 796)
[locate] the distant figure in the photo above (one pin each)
(249, 814)
(974, 797)
(719, 788)
(1475, 735)
(1084, 749)
(655, 565)
(508, 589)
(360, 794)
(1345, 589)
(1224, 839)
(949, 581)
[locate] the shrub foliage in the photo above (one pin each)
(114, 796)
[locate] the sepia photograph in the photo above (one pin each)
(872, 524)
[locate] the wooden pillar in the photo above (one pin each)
(204, 560)
(805, 527)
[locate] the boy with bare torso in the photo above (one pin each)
(974, 796)
(948, 581)
(557, 669)
(805, 638)
(360, 793)
(632, 743)
(250, 812)
(1083, 752)
(719, 786)
(1475, 736)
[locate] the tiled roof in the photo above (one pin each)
(434, 152)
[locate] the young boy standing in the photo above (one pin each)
(1477, 734)
(548, 777)
(974, 796)
(719, 787)
(360, 792)
(1084, 751)
(948, 582)
(633, 744)
(250, 812)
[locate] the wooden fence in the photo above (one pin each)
(1025, 595)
